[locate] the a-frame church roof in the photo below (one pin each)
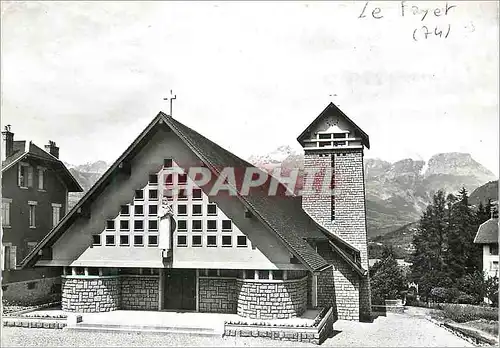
(281, 214)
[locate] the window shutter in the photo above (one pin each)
(30, 176)
(19, 168)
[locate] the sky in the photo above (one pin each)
(252, 75)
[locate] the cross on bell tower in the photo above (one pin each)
(171, 98)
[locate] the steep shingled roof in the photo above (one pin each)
(20, 152)
(487, 233)
(282, 214)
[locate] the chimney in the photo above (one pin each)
(52, 149)
(7, 142)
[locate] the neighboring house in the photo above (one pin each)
(35, 186)
(487, 235)
(401, 262)
(134, 242)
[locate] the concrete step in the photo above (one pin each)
(103, 327)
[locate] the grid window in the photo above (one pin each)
(110, 240)
(153, 210)
(181, 240)
(212, 209)
(212, 225)
(153, 195)
(138, 210)
(196, 193)
(169, 179)
(32, 215)
(227, 241)
(6, 214)
(197, 209)
(227, 225)
(182, 225)
(153, 225)
(167, 163)
(182, 209)
(152, 240)
(241, 241)
(138, 240)
(278, 275)
(110, 224)
(211, 241)
(124, 210)
(182, 194)
(96, 239)
(124, 225)
(196, 241)
(138, 225)
(139, 194)
(124, 240)
(153, 179)
(196, 225)
(182, 179)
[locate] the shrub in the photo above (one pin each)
(439, 294)
(464, 313)
(466, 299)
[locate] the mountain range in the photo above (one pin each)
(396, 192)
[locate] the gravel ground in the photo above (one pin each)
(394, 330)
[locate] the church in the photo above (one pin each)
(152, 235)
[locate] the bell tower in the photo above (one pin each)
(333, 146)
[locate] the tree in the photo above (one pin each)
(429, 268)
(387, 280)
(462, 255)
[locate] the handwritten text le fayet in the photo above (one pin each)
(423, 14)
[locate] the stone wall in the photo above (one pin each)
(217, 295)
(139, 292)
(33, 291)
(262, 299)
(90, 294)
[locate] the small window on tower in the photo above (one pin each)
(182, 194)
(227, 225)
(211, 241)
(212, 225)
(110, 224)
(138, 240)
(152, 240)
(110, 240)
(182, 179)
(227, 241)
(182, 209)
(169, 179)
(167, 163)
(139, 194)
(197, 241)
(196, 193)
(124, 226)
(196, 225)
(153, 195)
(153, 179)
(153, 210)
(181, 240)
(153, 225)
(211, 209)
(96, 239)
(197, 209)
(124, 210)
(138, 225)
(241, 241)
(182, 225)
(124, 240)
(138, 210)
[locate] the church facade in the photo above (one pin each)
(179, 223)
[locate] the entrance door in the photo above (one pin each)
(180, 289)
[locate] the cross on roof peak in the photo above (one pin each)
(171, 98)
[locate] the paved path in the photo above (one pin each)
(394, 330)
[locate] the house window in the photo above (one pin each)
(241, 241)
(124, 225)
(167, 163)
(110, 224)
(182, 225)
(139, 195)
(339, 135)
(153, 210)
(124, 240)
(56, 213)
(212, 225)
(153, 195)
(227, 241)
(30, 176)
(23, 175)
(6, 213)
(182, 241)
(278, 275)
(211, 241)
(263, 274)
(182, 179)
(41, 178)
(227, 225)
(494, 266)
(153, 225)
(153, 240)
(197, 241)
(96, 239)
(138, 225)
(110, 240)
(493, 249)
(153, 179)
(197, 209)
(32, 214)
(196, 225)
(138, 210)
(10, 258)
(124, 210)
(196, 194)
(212, 209)
(182, 209)
(138, 241)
